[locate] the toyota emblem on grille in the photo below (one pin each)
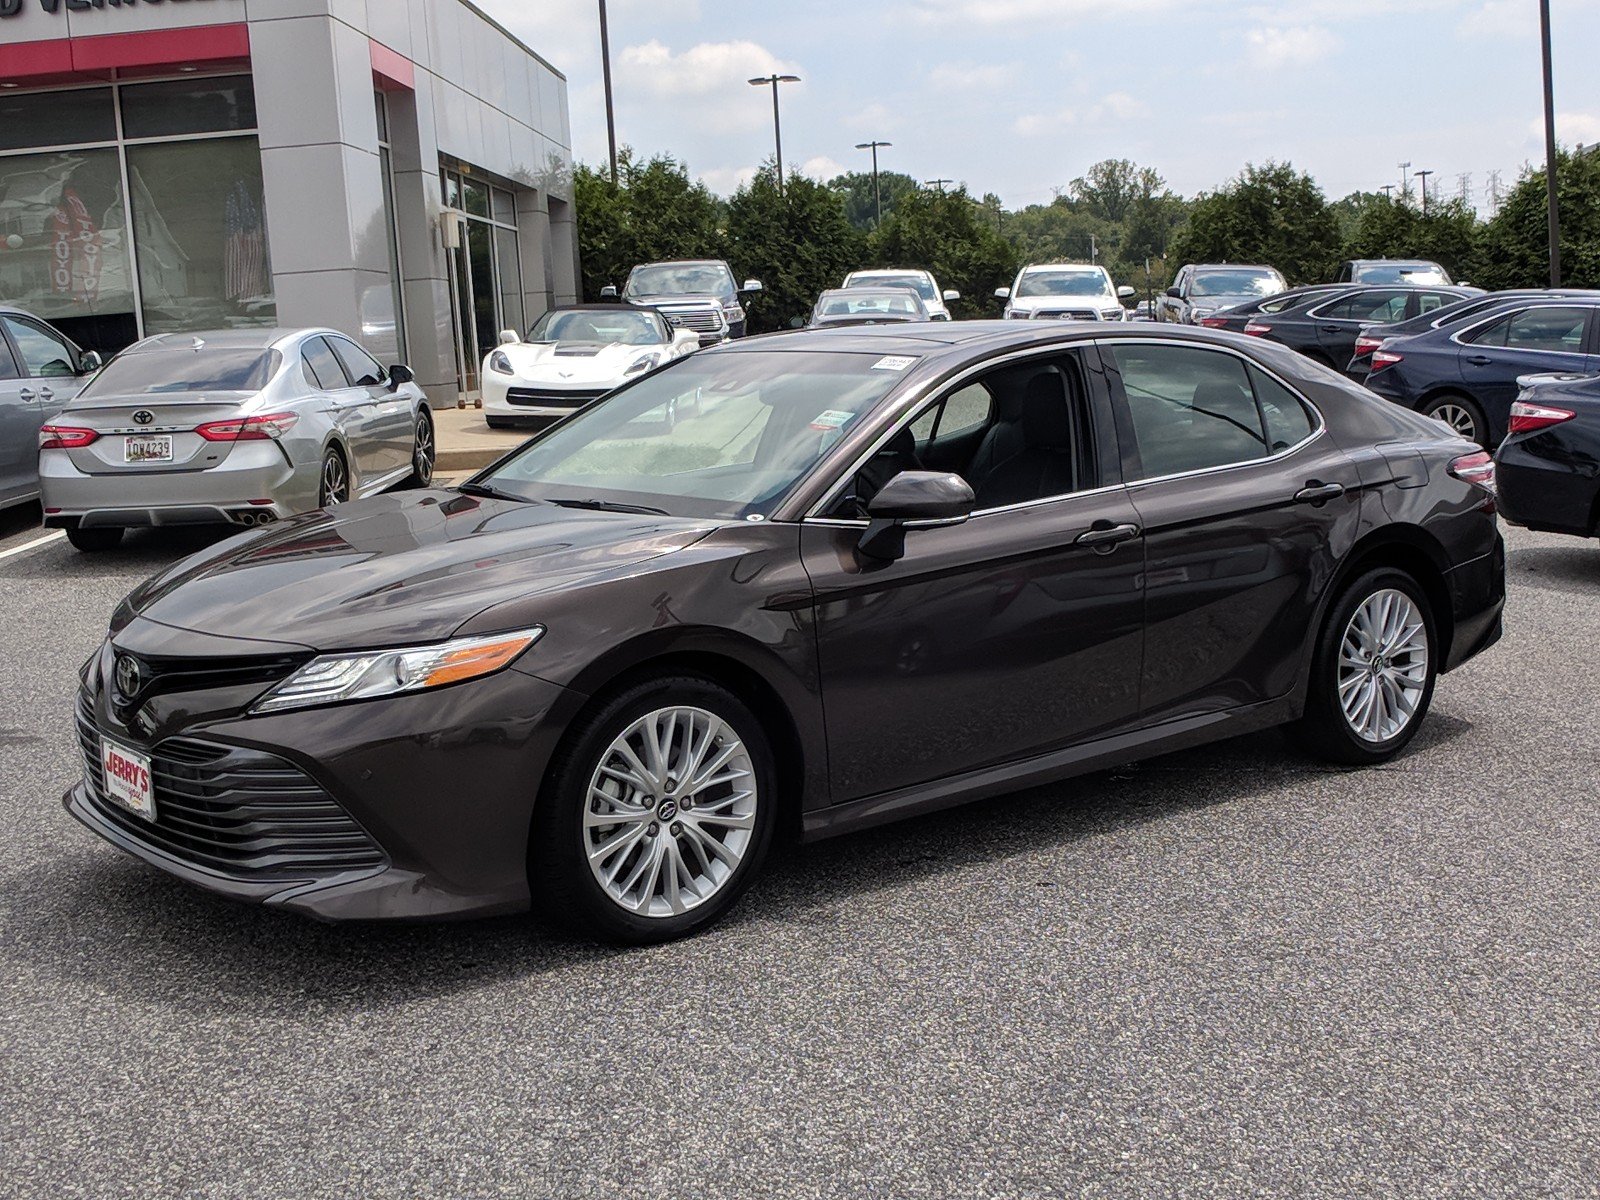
(129, 677)
(143, 417)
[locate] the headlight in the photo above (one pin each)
(500, 364)
(334, 678)
(1197, 313)
(642, 364)
(731, 313)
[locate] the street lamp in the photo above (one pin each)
(777, 129)
(1423, 175)
(1550, 146)
(877, 196)
(937, 183)
(605, 67)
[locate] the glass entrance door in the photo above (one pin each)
(485, 272)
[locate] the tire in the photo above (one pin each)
(1461, 413)
(95, 539)
(638, 904)
(423, 452)
(498, 423)
(333, 485)
(1367, 737)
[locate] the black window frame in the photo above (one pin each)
(307, 367)
(334, 342)
(1590, 343)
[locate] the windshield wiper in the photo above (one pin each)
(493, 493)
(611, 506)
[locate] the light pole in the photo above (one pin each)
(1423, 175)
(1388, 191)
(1550, 146)
(611, 115)
(777, 129)
(937, 183)
(1405, 182)
(877, 197)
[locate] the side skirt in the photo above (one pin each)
(1177, 734)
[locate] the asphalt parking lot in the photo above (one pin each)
(1226, 972)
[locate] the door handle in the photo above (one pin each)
(1331, 328)
(1480, 360)
(26, 395)
(1103, 537)
(46, 394)
(1316, 492)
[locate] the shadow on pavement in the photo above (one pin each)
(1572, 567)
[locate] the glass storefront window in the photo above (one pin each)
(57, 118)
(509, 274)
(63, 249)
(201, 235)
(475, 198)
(182, 106)
(505, 206)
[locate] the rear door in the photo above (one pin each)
(1338, 323)
(43, 368)
(19, 431)
(1245, 505)
(389, 421)
(1528, 341)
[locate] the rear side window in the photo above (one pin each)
(1367, 306)
(1191, 408)
(1556, 329)
(360, 366)
(321, 367)
(1286, 417)
(1429, 302)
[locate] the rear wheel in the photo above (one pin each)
(1373, 675)
(94, 539)
(1461, 413)
(335, 485)
(422, 452)
(657, 816)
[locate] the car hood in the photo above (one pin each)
(551, 362)
(397, 569)
(1218, 303)
(1035, 303)
(677, 300)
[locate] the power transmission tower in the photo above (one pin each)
(1464, 186)
(1493, 191)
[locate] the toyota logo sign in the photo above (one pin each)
(143, 417)
(129, 677)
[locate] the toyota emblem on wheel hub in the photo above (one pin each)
(666, 810)
(143, 416)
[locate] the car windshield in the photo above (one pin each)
(714, 435)
(1420, 274)
(1064, 283)
(1236, 283)
(865, 303)
(917, 283)
(604, 326)
(680, 279)
(184, 370)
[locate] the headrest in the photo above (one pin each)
(1045, 421)
(902, 445)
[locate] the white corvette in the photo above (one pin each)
(573, 356)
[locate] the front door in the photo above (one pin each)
(993, 640)
(39, 373)
(387, 422)
(1245, 507)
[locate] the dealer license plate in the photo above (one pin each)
(147, 449)
(127, 778)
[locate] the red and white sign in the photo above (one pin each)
(75, 249)
(127, 776)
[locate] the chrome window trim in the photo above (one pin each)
(863, 522)
(1510, 314)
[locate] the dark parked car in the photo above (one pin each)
(1412, 272)
(1467, 374)
(1326, 330)
(871, 573)
(1374, 335)
(1236, 318)
(1549, 463)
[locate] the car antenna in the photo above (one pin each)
(199, 344)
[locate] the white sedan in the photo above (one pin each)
(573, 356)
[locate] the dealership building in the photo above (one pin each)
(397, 169)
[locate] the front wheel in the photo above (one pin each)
(334, 487)
(1373, 675)
(657, 814)
(422, 453)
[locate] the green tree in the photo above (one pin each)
(1513, 248)
(1386, 228)
(855, 188)
(1111, 188)
(1269, 214)
(952, 236)
(654, 212)
(797, 244)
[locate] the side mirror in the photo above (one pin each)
(1126, 293)
(751, 285)
(508, 337)
(609, 292)
(950, 294)
(400, 374)
(89, 362)
(1002, 293)
(1175, 293)
(797, 322)
(913, 500)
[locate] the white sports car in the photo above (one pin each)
(573, 356)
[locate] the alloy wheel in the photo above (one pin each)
(335, 481)
(670, 811)
(1383, 665)
(422, 455)
(1458, 418)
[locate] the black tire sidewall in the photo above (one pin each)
(1324, 729)
(417, 479)
(322, 478)
(96, 539)
(565, 892)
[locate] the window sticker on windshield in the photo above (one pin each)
(893, 362)
(832, 419)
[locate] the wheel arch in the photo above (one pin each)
(1411, 549)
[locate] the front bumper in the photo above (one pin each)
(515, 400)
(252, 471)
(430, 795)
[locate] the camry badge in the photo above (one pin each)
(129, 677)
(143, 416)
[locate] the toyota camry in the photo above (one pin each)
(862, 574)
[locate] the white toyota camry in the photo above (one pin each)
(572, 356)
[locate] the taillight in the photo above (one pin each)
(1526, 417)
(1214, 322)
(1384, 358)
(248, 429)
(1475, 468)
(1366, 345)
(64, 437)
(1257, 329)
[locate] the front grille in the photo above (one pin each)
(241, 812)
(701, 320)
(159, 676)
(536, 398)
(1067, 314)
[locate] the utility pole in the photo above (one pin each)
(1388, 191)
(777, 128)
(1550, 146)
(1094, 249)
(611, 113)
(937, 183)
(1423, 175)
(1405, 182)
(877, 196)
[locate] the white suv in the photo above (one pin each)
(1064, 292)
(920, 282)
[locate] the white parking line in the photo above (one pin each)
(33, 545)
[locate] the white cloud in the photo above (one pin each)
(1501, 18)
(1571, 128)
(822, 168)
(1011, 12)
(726, 180)
(972, 76)
(874, 119)
(1272, 48)
(701, 70)
(1111, 108)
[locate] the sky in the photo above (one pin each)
(1019, 97)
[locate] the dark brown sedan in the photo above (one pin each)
(809, 582)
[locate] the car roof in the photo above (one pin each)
(682, 262)
(889, 271)
(1227, 266)
(1063, 266)
(626, 306)
(221, 339)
